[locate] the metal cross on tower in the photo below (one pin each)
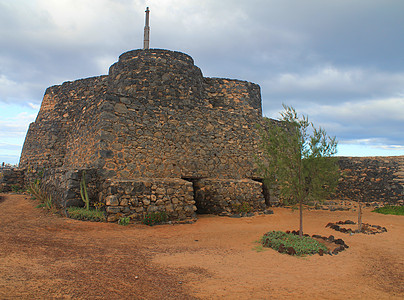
(146, 39)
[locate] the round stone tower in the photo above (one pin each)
(169, 76)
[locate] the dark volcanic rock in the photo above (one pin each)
(291, 251)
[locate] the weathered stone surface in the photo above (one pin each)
(11, 179)
(112, 200)
(182, 125)
(370, 179)
(140, 192)
(228, 196)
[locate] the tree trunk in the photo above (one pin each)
(301, 218)
(359, 216)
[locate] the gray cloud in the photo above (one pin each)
(339, 61)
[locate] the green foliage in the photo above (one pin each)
(48, 202)
(297, 159)
(390, 210)
(124, 221)
(83, 190)
(243, 207)
(302, 245)
(16, 188)
(38, 192)
(154, 218)
(81, 213)
(258, 248)
(99, 205)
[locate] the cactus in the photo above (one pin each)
(83, 190)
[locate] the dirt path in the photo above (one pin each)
(46, 256)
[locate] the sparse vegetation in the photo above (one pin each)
(243, 207)
(155, 218)
(282, 241)
(98, 205)
(81, 213)
(124, 221)
(38, 193)
(390, 210)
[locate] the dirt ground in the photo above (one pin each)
(47, 256)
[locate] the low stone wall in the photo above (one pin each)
(64, 186)
(136, 198)
(227, 196)
(371, 179)
(11, 179)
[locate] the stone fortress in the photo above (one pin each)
(155, 135)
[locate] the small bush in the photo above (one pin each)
(390, 210)
(37, 191)
(154, 218)
(302, 246)
(81, 213)
(123, 221)
(16, 188)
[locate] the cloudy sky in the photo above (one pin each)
(341, 62)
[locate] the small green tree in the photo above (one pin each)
(297, 160)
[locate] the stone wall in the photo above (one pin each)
(138, 197)
(63, 133)
(166, 120)
(11, 179)
(370, 179)
(228, 197)
(154, 115)
(63, 185)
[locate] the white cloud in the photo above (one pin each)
(390, 147)
(34, 106)
(331, 82)
(366, 111)
(7, 86)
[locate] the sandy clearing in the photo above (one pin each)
(43, 255)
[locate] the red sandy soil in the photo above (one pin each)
(47, 256)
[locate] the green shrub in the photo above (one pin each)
(123, 221)
(81, 213)
(48, 202)
(154, 218)
(390, 210)
(302, 245)
(37, 192)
